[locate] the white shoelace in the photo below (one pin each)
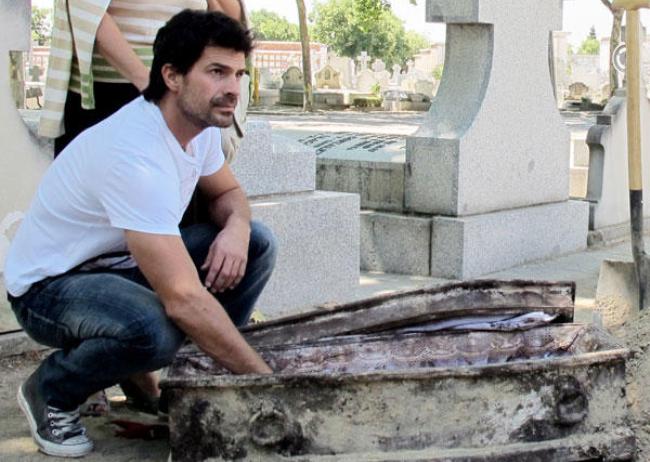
(65, 423)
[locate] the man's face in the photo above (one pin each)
(210, 90)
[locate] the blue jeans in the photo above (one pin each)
(109, 325)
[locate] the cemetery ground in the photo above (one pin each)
(582, 267)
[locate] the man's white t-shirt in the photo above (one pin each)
(126, 173)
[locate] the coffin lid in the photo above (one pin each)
(386, 313)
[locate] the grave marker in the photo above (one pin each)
(492, 157)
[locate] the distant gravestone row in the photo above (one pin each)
(342, 81)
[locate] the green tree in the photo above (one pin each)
(590, 45)
(41, 25)
(352, 26)
(272, 26)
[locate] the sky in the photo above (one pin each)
(579, 16)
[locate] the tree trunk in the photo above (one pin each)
(306, 56)
(615, 40)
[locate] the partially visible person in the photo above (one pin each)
(99, 268)
(100, 58)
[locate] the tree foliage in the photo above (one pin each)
(590, 45)
(271, 26)
(41, 25)
(352, 26)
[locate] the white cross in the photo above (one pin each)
(363, 59)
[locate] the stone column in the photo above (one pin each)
(22, 162)
(491, 161)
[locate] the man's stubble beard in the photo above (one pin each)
(207, 118)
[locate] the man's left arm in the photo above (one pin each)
(229, 209)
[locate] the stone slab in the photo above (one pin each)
(468, 247)
(380, 185)
(609, 235)
(318, 259)
(377, 147)
(395, 243)
(271, 164)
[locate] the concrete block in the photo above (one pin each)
(467, 247)
(395, 243)
(271, 164)
(380, 185)
(493, 138)
(329, 99)
(318, 260)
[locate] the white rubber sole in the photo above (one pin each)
(47, 447)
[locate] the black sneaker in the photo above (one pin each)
(56, 432)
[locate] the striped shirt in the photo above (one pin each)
(74, 64)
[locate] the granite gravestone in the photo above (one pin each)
(578, 90)
(491, 161)
(366, 81)
(292, 90)
(328, 78)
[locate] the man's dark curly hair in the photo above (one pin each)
(182, 40)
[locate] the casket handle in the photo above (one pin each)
(571, 403)
(269, 427)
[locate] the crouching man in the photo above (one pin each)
(99, 268)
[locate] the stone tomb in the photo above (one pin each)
(488, 171)
(328, 78)
(292, 90)
(328, 93)
(366, 81)
(577, 91)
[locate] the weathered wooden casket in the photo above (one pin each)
(424, 375)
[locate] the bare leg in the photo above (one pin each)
(147, 382)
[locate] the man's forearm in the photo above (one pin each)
(232, 8)
(201, 317)
(112, 45)
(232, 206)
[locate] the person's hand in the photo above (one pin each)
(227, 258)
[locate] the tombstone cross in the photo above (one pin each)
(35, 72)
(363, 60)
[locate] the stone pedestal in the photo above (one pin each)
(317, 231)
(491, 162)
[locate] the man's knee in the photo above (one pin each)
(263, 244)
(153, 339)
